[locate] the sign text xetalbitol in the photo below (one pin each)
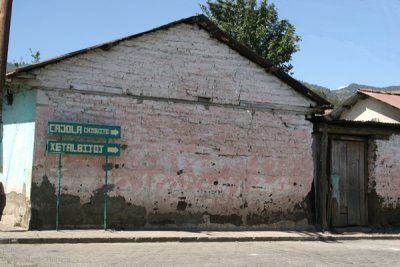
(82, 148)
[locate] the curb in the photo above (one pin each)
(67, 240)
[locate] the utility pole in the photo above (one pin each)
(5, 19)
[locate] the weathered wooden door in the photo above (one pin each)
(348, 202)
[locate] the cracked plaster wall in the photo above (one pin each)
(184, 164)
(17, 157)
(384, 182)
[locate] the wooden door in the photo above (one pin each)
(348, 198)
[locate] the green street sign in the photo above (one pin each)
(82, 148)
(78, 129)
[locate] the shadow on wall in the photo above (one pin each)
(122, 215)
(2, 199)
(14, 208)
(74, 215)
(17, 212)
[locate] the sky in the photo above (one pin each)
(343, 41)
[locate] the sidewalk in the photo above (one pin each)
(109, 236)
(16, 235)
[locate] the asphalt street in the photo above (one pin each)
(346, 253)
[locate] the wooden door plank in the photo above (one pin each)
(323, 181)
(353, 175)
(363, 184)
(343, 205)
(337, 179)
(334, 190)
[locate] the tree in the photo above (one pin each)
(256, 26)
(35, 56)
(35, 59)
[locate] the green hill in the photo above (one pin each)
(338, 96)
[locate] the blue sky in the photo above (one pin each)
(343, 41)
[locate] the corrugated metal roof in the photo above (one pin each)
(373, 124)
(391, 98)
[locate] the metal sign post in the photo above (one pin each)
(83, 148)
(59, 184)
(106, 190)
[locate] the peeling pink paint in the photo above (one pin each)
(209, 165)
(168, 156)
(384, 170)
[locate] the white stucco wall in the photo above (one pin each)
(18, 148)
(183, 62)
(371, 109)
(186, 163)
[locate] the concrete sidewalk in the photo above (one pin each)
(109, 236)
(10, 234)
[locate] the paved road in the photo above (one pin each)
(350, 253)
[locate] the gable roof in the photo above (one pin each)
(204, 23)
(389, 98)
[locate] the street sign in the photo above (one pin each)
(82, 148)
(78, 129)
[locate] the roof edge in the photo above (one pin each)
(379, 92)
(366, 94)
(203, 22)
(243, 50)
(358, 124)
(336, 112)
(104, 46)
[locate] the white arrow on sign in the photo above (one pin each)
(114, 132)
(112, 150)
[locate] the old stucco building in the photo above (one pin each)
(358, 180)
(370, 105)
(213, 136)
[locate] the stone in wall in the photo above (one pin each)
(182, 166)
(384, 182)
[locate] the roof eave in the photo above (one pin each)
(203, 22)
(217, 33)
(103, 46)
(337, 112)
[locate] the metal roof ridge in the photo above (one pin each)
(396, 93)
